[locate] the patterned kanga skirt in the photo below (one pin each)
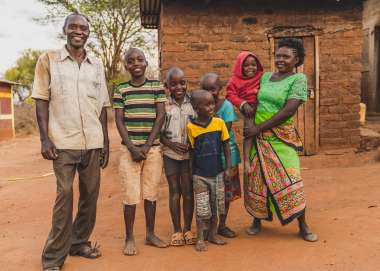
(275, 179)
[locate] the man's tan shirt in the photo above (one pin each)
(76, 95)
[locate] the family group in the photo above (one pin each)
(188, 134)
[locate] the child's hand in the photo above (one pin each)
(228, 174)
(145, 149)
(248, 110)
(137, 153)
(179, 147)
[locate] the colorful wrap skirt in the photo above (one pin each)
(275, 184)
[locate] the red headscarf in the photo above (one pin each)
(241, 89)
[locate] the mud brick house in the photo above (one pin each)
(371, 55)
(206, 35)
(6, 110)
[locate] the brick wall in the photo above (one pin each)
(201, 39)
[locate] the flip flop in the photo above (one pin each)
(309, 236)
(87, 251)
(177, 239)
(253, 230)
(189, 238)
(227, 232)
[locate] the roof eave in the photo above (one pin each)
(150, 13)
(9, 82)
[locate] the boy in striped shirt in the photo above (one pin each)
(139, 114)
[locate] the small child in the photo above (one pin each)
(209, 138)
(225, 111)
(242, 92)
(139, 114)
(176, 156)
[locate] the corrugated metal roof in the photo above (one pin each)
(150, 13)
(8, 82)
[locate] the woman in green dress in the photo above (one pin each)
(273, 183)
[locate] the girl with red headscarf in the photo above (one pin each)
(242, 90)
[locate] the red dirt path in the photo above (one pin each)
(343, 208)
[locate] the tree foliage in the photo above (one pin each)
(114, 26)
(23, 72)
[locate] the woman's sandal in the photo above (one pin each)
(189, 238)
(227, 232)
(87, 251)
(177, 239)
(309, 236)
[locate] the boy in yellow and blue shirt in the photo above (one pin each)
(208, 137)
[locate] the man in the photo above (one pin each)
(71, 99)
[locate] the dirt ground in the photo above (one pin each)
(343, 208)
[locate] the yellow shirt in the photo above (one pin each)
(207, 144)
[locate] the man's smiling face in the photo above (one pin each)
(77, 31)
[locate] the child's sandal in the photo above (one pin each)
(189, 238)
(177, 239)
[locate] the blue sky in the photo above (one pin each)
(18, 31)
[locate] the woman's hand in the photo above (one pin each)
(251, 131)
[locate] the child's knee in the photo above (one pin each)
(188, 197)
(202, 205)
(175, 195)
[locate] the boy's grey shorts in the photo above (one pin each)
(209, 196)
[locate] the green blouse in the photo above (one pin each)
(273, 95)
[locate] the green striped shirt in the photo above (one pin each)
(139, 104)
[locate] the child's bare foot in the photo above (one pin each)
(200, 246)
(153, 240)
(216, 240)
(130, 247)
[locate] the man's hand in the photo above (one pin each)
(251, 131)
(248, 110)
(179, 147)
(48, 150)
(105, 155)
(137, 153)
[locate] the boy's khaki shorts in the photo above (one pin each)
(145, 175)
